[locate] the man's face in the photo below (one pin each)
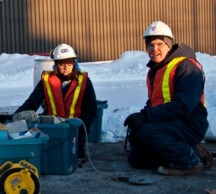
(65, 67)
(157, 50)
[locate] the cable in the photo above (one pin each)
(59, 118)
(88, 155)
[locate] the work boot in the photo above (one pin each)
(204, 155)
(81, 161)
(177, 172)
(193, 164)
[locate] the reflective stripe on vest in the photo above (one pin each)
(46, 78)
(76, 95)
(165, 83)
(68, 106)
(163, 87)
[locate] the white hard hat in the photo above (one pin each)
(158, 28)
(63, 51)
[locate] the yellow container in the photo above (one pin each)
(19, 178)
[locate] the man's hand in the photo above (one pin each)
(135, 121)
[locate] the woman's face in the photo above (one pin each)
(157, 50)
(65, 67)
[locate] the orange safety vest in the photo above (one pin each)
(68, 106)
(163, 88)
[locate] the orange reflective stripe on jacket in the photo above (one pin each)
(163, 87)
(68, 106)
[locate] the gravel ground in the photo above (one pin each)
(110, 174)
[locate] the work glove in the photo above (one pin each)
(28, 115)
(135, 121)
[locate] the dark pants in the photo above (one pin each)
(81, 146)
(168, 143)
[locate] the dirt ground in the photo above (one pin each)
(109, 162)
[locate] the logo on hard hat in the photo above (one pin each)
(153, 28)
(64, 50)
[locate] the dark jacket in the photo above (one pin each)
(188, 88)
(88, 107)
